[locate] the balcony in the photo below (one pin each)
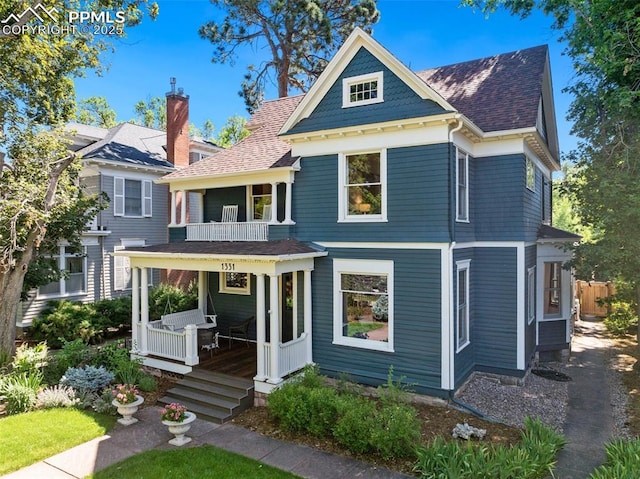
(229, 231)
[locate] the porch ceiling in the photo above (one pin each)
(269, 257)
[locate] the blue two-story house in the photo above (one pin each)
(385, 218)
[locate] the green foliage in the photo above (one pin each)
(623, 460)
(151, 113)
(166, 298)
(355, 424)
(621, 319)
(533, 458)
(96, 111)
(232, 132)
(30, 359)
(114, 312)
(64, 321)
(147, 383)
(396, 432)
(18, 391)
(73, 354)
(303, 36)
(128, 371)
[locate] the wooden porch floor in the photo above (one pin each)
(239, 361)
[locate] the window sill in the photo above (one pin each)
(382, 346)
(364, 219)
(462, 347)
(58, 296)
(460, 220)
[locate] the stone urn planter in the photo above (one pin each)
(128, 410)
(180, 428)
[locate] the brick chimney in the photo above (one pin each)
(177, 126)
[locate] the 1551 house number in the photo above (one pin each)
(228, 267)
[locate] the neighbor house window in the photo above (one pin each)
(462, 303)
(362, 90)
(122, 265)
(531, 295)
(531, 174)
(132, 197)
(363, 304)
(362, 194)
(552, 288)
(260, 202)
(235, 283)
(72, 263)
(462, 192)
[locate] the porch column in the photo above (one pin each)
(183, 207)
(202, 291)
(307, 314)
(287, 203)
(261, 325)
(274, 333)
(173, 209)
(144, 299)
(274, 203)
(135, 308)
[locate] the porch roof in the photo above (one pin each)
(549, 234)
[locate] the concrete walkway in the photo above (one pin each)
(589, 422)
(149, 433)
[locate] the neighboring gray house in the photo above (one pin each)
(123, 162)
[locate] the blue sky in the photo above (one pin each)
(421, 33)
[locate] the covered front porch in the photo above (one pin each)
(275, 279)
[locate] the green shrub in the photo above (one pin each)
(87, 379)
(114, 312)
(65, 321)
(396, 432)
(30, 359)
(288, 406)
(621, 319)
(623, 461)
(147, 383)
(19, 391)
(111, 355)
(354, 426)
(128, 371)
(166, 298)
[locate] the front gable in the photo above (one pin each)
(404, 94)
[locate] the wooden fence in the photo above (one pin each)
(589, 292)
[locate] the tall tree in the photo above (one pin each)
(603, 41)
(151, 113)
(96, 111)
(38, 197)
(300, 35)
(232, 132)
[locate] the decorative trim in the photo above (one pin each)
(377, 77)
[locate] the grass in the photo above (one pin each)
(355, 327)
(197, 462)
(30, 437)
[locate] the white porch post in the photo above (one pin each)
(135, 308)
(202, 291)
(191, 346)
(287, 203)
(274, 203)
(183, 208)
(173, 209)
(144, 299)
(261, 324)
(274, 333)
(307, 314)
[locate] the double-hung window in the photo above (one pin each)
(462, 303)
(462, 191)
(260, 202)
(362, 90)
(531, 295)
(552, 289)
(132, 197)
(363, 189)
(72, 263)
(531, 174)
(363, 304)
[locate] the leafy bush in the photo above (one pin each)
(56, 396)
(111, 355)
(166, 298)
(87, 379)
(396, 432)
(355, 424)
(30, 359)
(148, 383)
(103, 403)
(65, 320)
(18, 391)
(114, 312)
(621, 318)
(623, 461)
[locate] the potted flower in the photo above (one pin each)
(127, 400)
(176, 417)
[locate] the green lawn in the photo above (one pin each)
(356, 327)
(187, 463)
(31, 437)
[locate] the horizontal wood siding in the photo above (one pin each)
(547, 202)
(417, 199)
(400, 101)
(417, 321)
(552, 335)
(465, 359)
(215, 199)
(464, 232)
(495, 307)
(532, 208)
(232, 308)
(499, 185)
(530, 257)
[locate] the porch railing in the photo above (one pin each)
(180, 346)
(292, 357)
(252, 231)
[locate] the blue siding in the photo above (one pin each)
(418, 199)
(530, 255)
(215, 199)
(532, 208)
(400, 101)
(495, 307)
(177, 234)
(417, 326)
(552, 335)
(465, 359)
(232, 308)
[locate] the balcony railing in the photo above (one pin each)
(252, 231)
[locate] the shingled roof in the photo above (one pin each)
(259, 151)
(497, 93)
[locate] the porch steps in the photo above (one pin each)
(212, 396)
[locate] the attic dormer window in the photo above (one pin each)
(362, 90)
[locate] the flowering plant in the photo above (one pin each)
(125, 393)
(173, 412)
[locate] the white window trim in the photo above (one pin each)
(347, 82)
(122, 262)
(230, 290)
(61, 258)
(531, 298)
(560, 314)
(355, 266)
(119, 197)
(461, 219)
(250, 197)
(530, 163)
(343, 210)
(462, 266)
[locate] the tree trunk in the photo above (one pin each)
(10, 289)
(283, 78)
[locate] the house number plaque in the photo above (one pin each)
(228, 267)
